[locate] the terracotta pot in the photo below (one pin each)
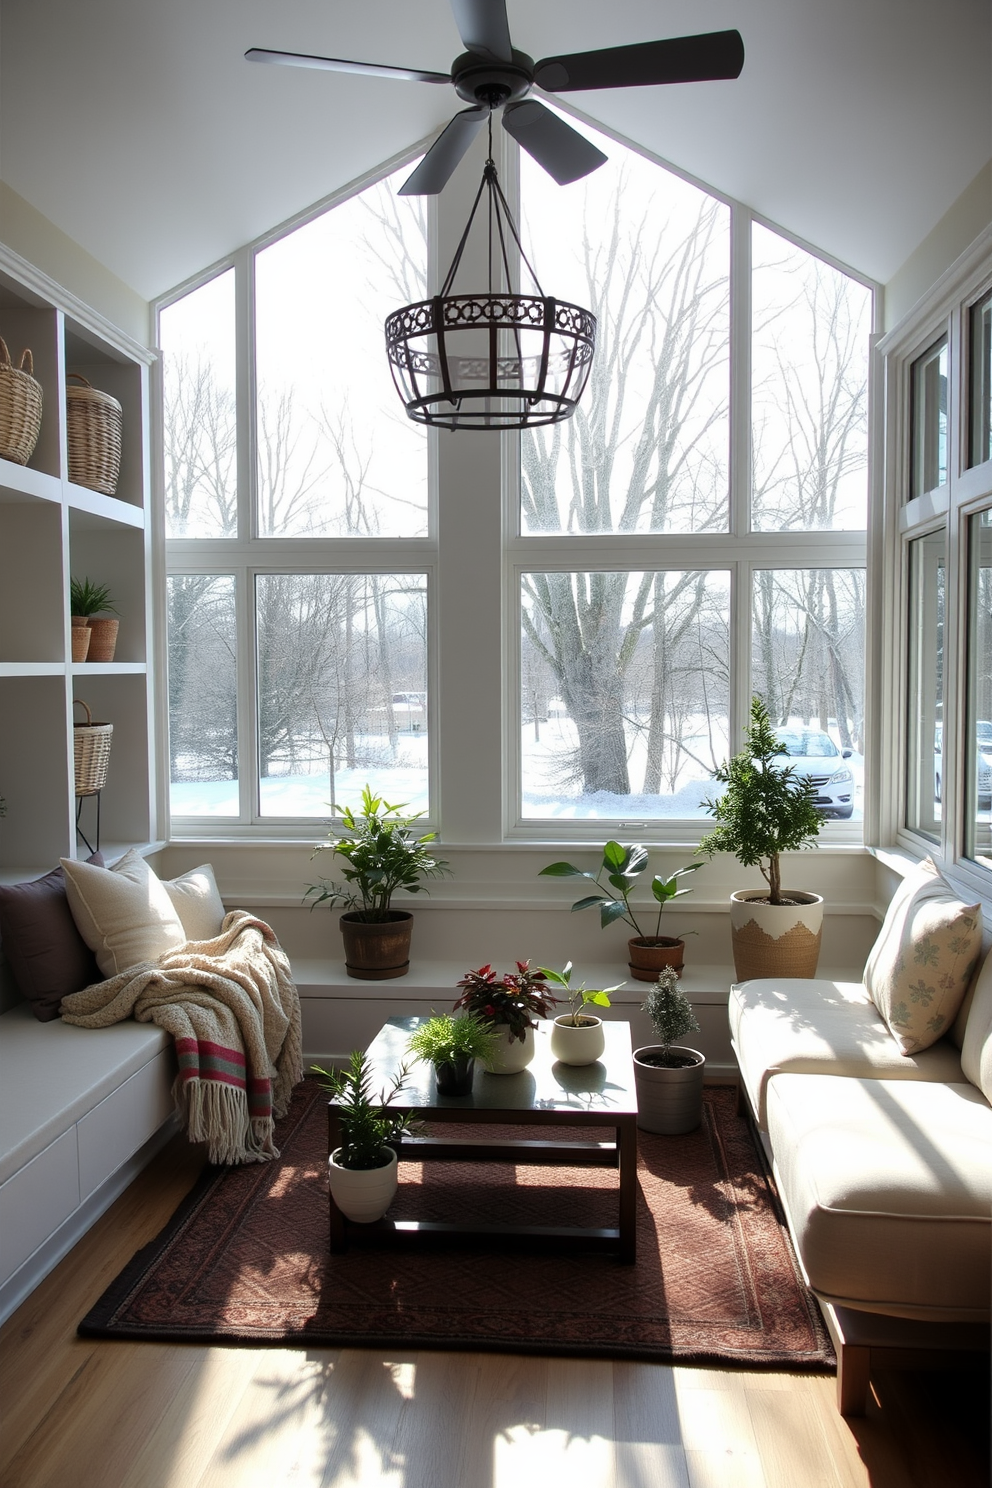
(773, 939)
(511, 1056)
(578, 1044)
(649, 954)
(380, 951)
(81, 635)
(103, 639)
(669, 1101)
(362, 1194)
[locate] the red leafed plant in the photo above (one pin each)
(512, 1001)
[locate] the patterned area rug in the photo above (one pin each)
(245, 1259)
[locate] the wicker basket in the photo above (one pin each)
(91, 753)
(95, 423)
(20, 407)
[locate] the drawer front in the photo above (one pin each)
(124, 1121)
(35, 1201)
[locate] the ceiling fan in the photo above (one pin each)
(491, 74)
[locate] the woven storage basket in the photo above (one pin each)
(20, 407)
(91, 753)
(95, 423)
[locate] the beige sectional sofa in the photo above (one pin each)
(883, 1161)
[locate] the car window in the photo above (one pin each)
(806, 745)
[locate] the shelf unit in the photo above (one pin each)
(51, 529)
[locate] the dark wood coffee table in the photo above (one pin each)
(589, 1097)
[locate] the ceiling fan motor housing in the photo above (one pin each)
(479, 81)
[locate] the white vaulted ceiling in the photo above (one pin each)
(137, 127)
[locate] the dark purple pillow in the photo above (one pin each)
(47, 956)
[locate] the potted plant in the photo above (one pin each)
(577, 1036)
(766, 810)
(87, 602)
(362, 1170)
(647, 954)
(383, 855)
(452, 1045)
(669, 1077)
(510, 1006)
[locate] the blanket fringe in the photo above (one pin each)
(218, 1115)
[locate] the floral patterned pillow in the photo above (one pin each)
(920, 965)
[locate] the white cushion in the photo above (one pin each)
(888, 1188)
(123, 913)
(196, 900)
(821, 1027)
(976, 1051)
(919, 968)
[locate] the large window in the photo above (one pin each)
(341, 610)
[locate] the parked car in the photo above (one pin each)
(983, 763)
(815, 755)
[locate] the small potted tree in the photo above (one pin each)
(647, 953)
(88, 602)
(451, 1046)
(766, 810)
(382, 854)
(362, 1171)
(669, 1077)
(577, 1036)
(510, 1006)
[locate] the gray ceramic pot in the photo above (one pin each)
(669, 1101)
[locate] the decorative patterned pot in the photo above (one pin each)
(649, 954)
(669, 1101)
(775, 939)
(511, 1056)
(578, 1045)
(380, 951)
(362, 1194)
(455, 1076)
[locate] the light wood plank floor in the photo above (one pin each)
(76, 1413)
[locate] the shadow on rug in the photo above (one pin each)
(245, 1259)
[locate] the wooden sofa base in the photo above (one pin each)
(869, 1340)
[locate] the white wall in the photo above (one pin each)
(954, 233)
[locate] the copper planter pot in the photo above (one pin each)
(647, 955)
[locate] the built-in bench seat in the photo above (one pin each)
(81, 1111)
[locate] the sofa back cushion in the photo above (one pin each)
(919, 967)
(47, 956)
(123, 913)
(976, 1051)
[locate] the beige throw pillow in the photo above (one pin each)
(123, 913)
(920, 965)
(196, 900)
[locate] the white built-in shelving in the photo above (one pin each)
(50, 530)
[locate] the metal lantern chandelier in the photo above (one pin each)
(495, 360)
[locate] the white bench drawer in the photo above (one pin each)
(36, 1200)
(124, 1121)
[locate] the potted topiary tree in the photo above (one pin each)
(669, 1078)
(383, 855)
(452, 1045)
(362, 1170)
(647, 954)
(510, 1006)
(577, 1036)
(766, 810)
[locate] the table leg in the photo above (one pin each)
(338, 1234)
(627, 1154)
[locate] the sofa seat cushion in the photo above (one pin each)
(888, 1188)
(821, 1027)
(51, 1074)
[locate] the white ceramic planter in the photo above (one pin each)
(581, 1045)
(772, 939)
(362, 1194)
(511, 1056)
(669, 1101)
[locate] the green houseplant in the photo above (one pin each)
(648, 951)
(87, 602)
(577, 1036)
(766, 809)
(669, 1077)
(452, 1045)
(510, 1005)
(362, 1169)
(382, 853)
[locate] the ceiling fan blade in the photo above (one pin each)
(483, 28)
(438, 165)
(681, 59)
(338, 64)
(561, 150)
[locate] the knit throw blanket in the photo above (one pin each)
(234, 1012)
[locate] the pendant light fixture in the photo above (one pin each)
(495, 359)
